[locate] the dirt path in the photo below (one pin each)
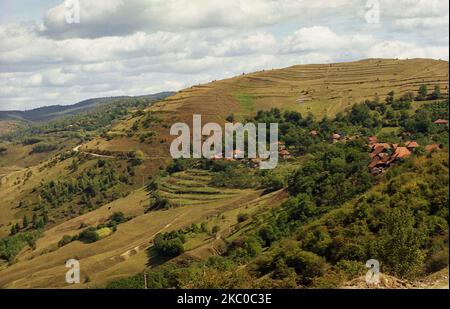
(77, 149)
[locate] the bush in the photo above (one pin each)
(179, 165)
(11, 246)
(437, 261)
(400, 244)
(307, 265)
(44, 147)
(117, 217)
(242, 217)
(104, 232)
(89, 235)
(273, 183)
(168, 246)
(351, 269)
(215, 229)
(159, 203)
(66, 239)
(31, 141)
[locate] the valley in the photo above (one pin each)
(230, 224)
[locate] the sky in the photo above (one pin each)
(62, 52)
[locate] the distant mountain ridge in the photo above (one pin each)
(47, 113)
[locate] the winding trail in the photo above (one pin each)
(77, 149)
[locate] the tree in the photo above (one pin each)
(66, 239)
(407, 97)
(242, 217)
(118, 217)
(306, 264)
(167, 245)
(45, 218)
(89, 235)
(230, 118)
(35, 221)
(14, 229)
(215, 230)
(423, 92)
(400, 244)
(25, 222)
(74, 166)
(204, 227)
(436, 94)
(137, 157)
(390, 97)
(273, 182)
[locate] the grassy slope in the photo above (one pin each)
(107, 258)
(325, 90)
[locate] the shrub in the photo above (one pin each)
(31, 141)
(351, 269)
(66, 239)
(117, 217)
(104, 232)
(44, 147)
(159, 203)
(242, 217)
(11, 246)
(215, 229)
(307, 265)
(400, 244)
(273, 183)
(89, 235)
(168, 246)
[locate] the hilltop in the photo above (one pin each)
(322, 89)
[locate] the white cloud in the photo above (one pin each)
(132, 47)
(403, 50)
(319, 38)
(118, 17)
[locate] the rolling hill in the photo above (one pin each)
(133, 151)
(47, 113)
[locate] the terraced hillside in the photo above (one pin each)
(192, 188)
(322, 89)
(125, 252)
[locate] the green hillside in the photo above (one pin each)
(364, 176)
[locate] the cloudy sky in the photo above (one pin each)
(133, 47)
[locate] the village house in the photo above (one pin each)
(411, 145)
(284, 154)
(335, 137)
(382, 155)
(433, 147)
(441, 121)
(372, 140)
